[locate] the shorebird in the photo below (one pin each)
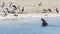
(57, 10)
(14, 10)
(22, 9)
(44, 10)
(3, 4)
(10, 4)
(49, 10)
(39, 3)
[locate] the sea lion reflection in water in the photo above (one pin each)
(44, 23)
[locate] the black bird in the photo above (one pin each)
(44, 10)
(14, 7)
(57, 10)
(5, 13)
(7, 10)
(50, 10)
(39, 3)
(22, 9)
(44, 23)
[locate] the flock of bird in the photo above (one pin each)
(13, 11)
(14, 8)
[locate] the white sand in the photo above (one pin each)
(30, 15)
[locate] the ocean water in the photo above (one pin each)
(32, 26)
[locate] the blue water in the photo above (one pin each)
(32, 28)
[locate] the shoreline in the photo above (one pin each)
(25, 18)
(30, 15)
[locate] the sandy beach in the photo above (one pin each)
(32, 8)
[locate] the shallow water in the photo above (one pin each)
(33, 26)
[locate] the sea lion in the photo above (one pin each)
(44, 23)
